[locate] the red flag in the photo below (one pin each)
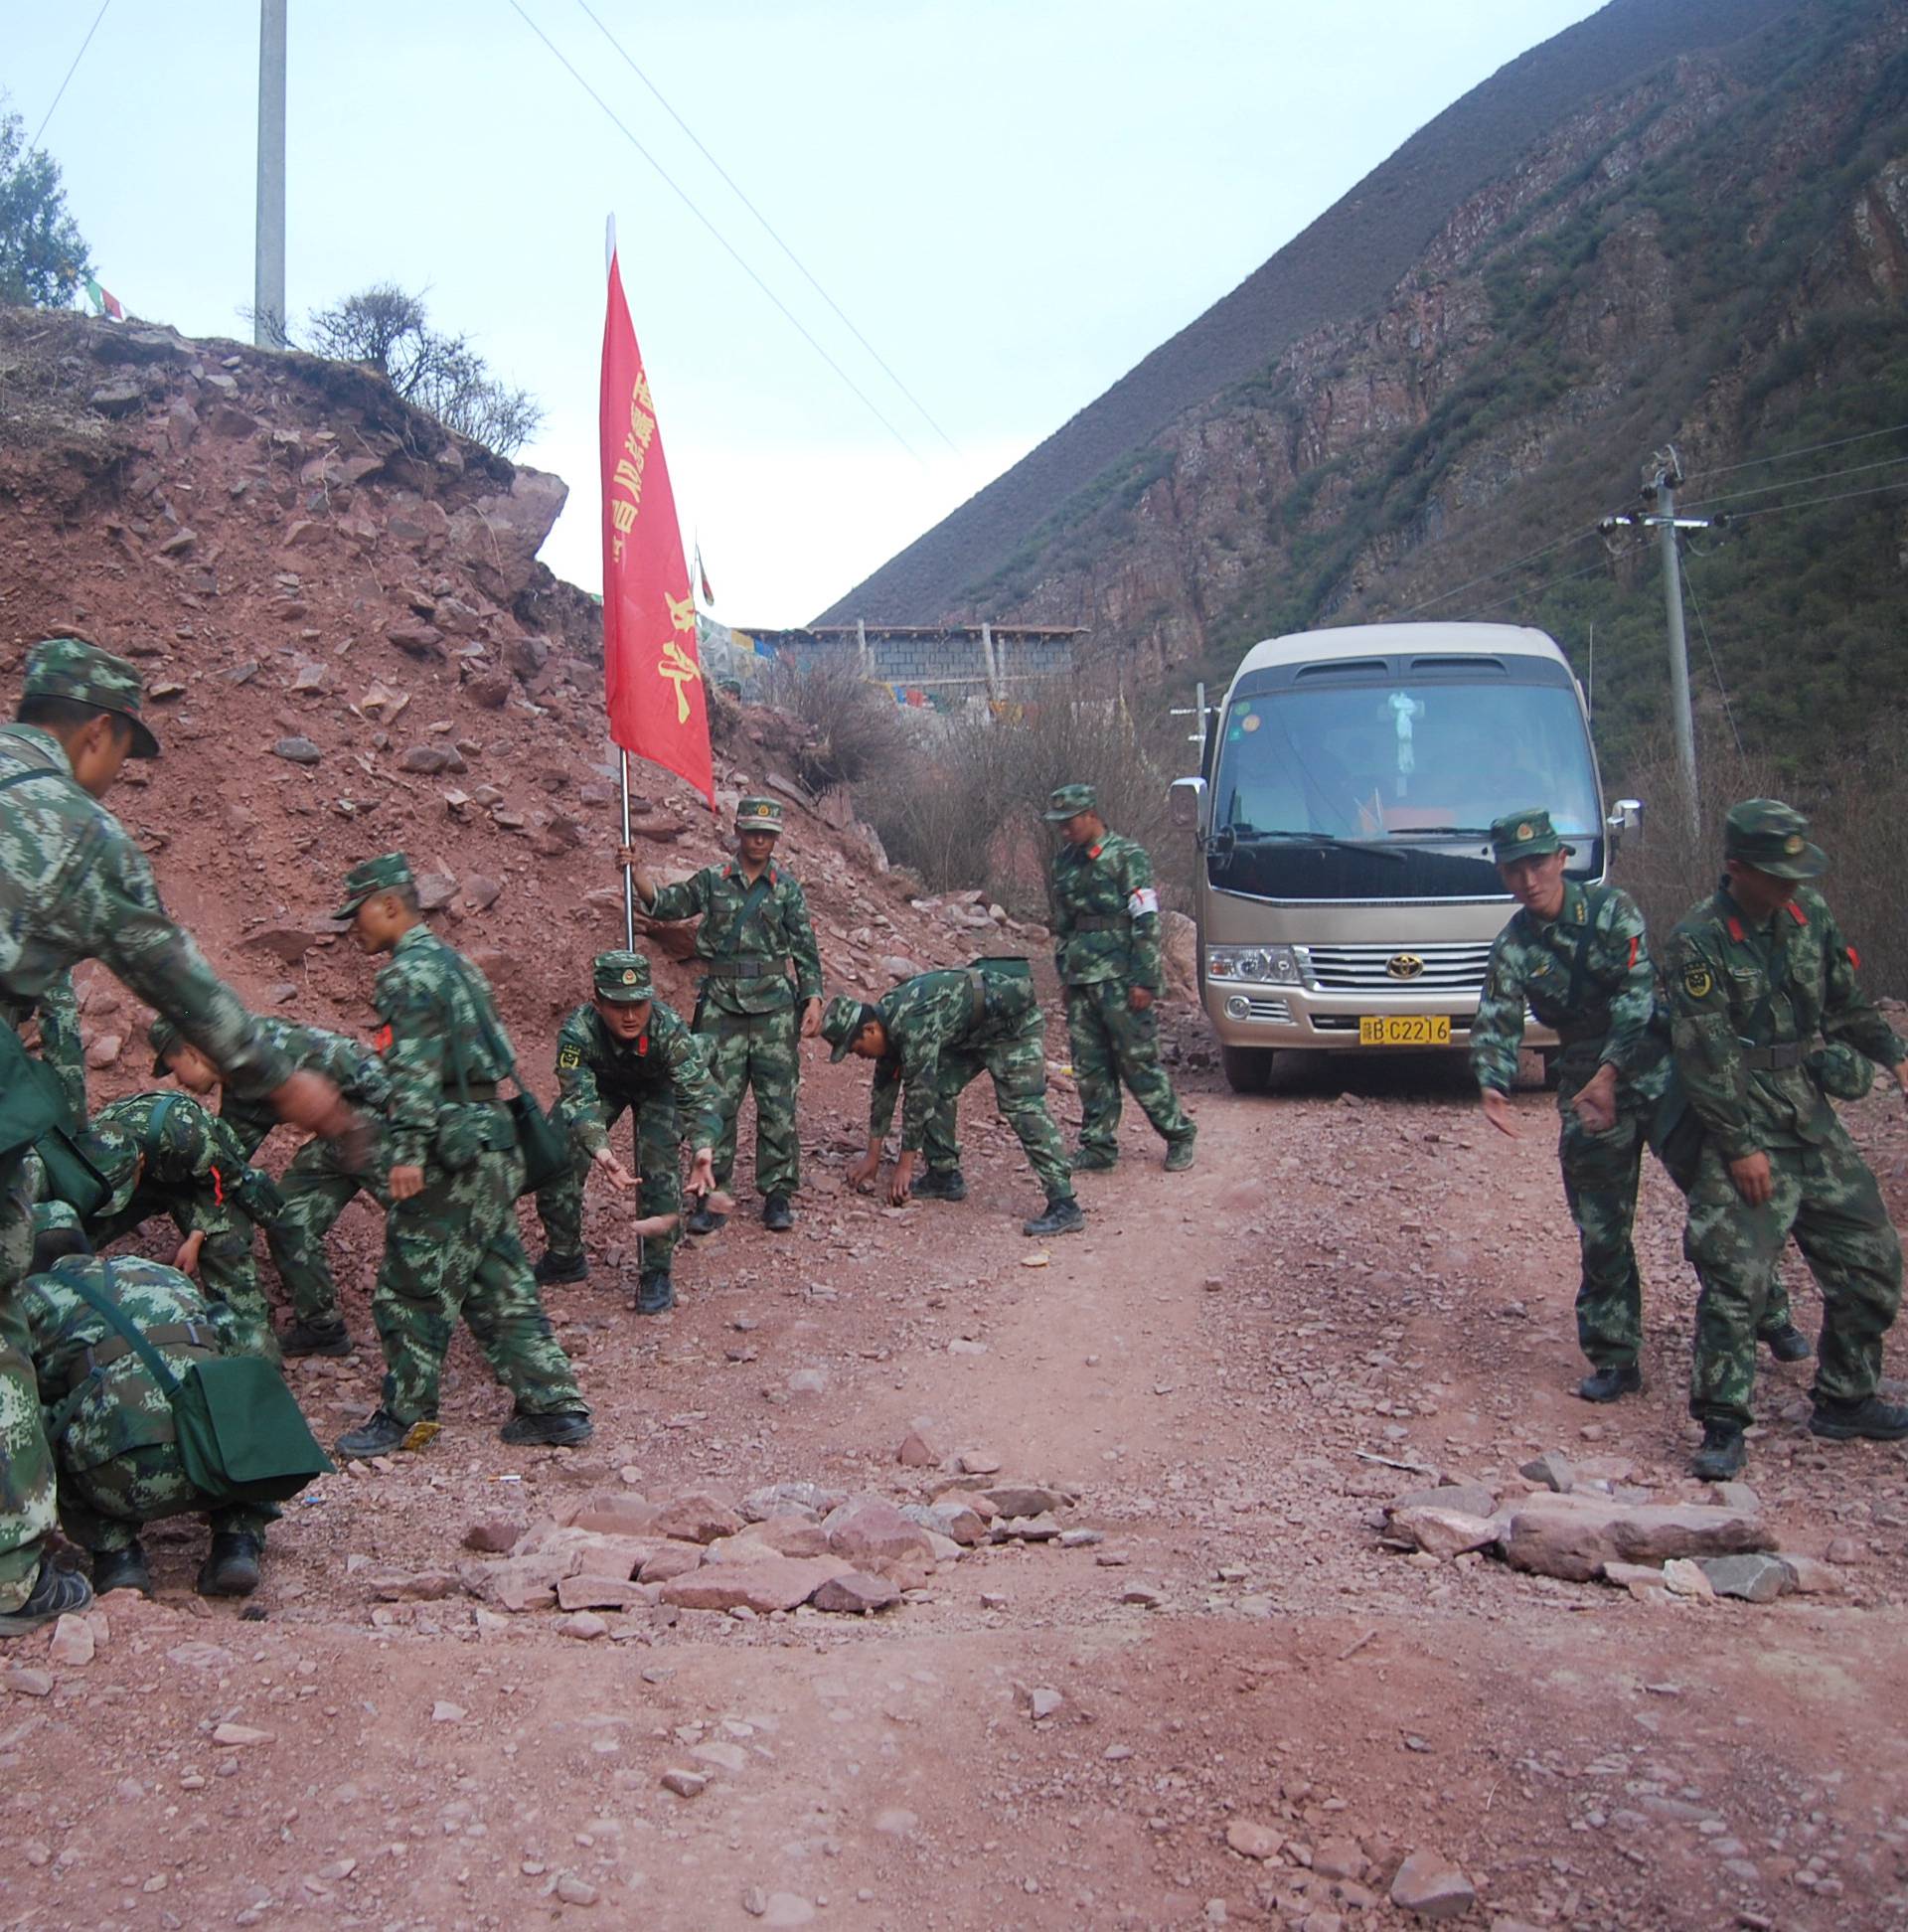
(652, 671)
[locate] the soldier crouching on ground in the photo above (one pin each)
(451, 1238)
(930, 1036)
(1757, 975)
(629, 1050)
(317, 1186)
(1576, 956)
(108, 1418)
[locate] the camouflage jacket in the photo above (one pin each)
(439, 1019)
(776, 930)
(1587, 974)
(353, 1069)
(1106, 914)
(924, 1018)
(74, 886)
(1736, 991)
(595, 1071)
(62, 1044)
(119, 1405)
(172, 1143)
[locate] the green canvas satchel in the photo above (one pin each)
(241, 1434)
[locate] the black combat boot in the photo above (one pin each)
(703, 1219)
(1612, 1382)
(1092, 1159)
(316, 1339)
(121, 1569)
(1062, 1216)
(1179, 1150)
(655, 1293)
(776, 1216)
(1787, 1343)
(231, 1569)
(1723, 1452)
(1871, 1419)
(564, 1427)
(555, 1267)
(377, 1435)
(941, 1184)
(55, 1592)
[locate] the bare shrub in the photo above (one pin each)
(856, 730)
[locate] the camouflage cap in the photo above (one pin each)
(759, 815)
(71, 667)
(371, 877)
(842, 1020)
(1523, 835)
(1773, 837)
(54, 1217)
(623, 978)
(1069, 801)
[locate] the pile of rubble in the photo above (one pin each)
(787, 1546)
(1593, 1521)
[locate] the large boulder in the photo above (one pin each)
(1574, 1536)
(773, 1583)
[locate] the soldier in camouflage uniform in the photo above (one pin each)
(73, 887)
(165, 1153)
(1756, 976)
(62, 1046)
(932, 1036)
(1576, 956)
(321, 1180)
(627, 1050)
(109, 1421)
(450, 1239)
(754, 921)
(1106, 950)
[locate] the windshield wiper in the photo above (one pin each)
(1440, 832)
(1244, 835)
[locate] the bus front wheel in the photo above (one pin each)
(1248, 1070)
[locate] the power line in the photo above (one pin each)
(1445, 596)
(1807, 449)
(70, 71)
(1722, 691)
(1798, 483)
(1549, 583)
(793, 321)
(768, 227)
(1809, 503)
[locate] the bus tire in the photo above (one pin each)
(1248, 1070)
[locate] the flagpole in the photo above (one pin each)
(629, 878)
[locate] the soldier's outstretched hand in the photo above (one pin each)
(187, 1260)
(310, 1101)
(1753, 1179)
(701, 1171)
(860, 1172)
(621, 1177)
(811, 1019)
(1139, 998)
(1497, 1110)
(1595, 1104)
(900, 1183)
(406, 1182)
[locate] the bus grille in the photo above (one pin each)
(1368, 969)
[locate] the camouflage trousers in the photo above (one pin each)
(26, 1463)
(453, 1251)
(760, 1050)
(1825, 1197)
(317, 1188)
(1601, 1175)
(1112, 1044)
(1016, 1061)
(104, 1508)
(226, 1269)
(659, 1164)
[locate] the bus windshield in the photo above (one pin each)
(1332, 775)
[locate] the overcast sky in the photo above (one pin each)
(1012, 199)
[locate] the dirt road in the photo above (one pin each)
(1214, 1369)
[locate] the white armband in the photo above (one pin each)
(1142, 902)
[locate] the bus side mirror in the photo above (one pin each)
(1185, 803)
(1625, 817)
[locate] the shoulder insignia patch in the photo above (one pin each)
(569, 1056)
(1696, 982)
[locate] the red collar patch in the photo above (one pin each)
(1735, 929)
(1796, 912)
(1093, 852)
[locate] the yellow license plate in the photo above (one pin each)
(1405, 1029)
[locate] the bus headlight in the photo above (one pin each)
(1278, 965)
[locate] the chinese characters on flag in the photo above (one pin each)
(652, 673)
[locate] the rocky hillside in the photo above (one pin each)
(1710, 247)
(350, 647)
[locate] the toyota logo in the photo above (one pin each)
(1404, 966)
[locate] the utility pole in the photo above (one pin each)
(268, 272)
(1669, 479)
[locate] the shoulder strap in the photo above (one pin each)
(750, 905)
(22, 777)
(157, 1123)
(116, 1319)
(493, 1038)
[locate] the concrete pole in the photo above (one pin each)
(268, 271)
(1681, 716)
(991, 662)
